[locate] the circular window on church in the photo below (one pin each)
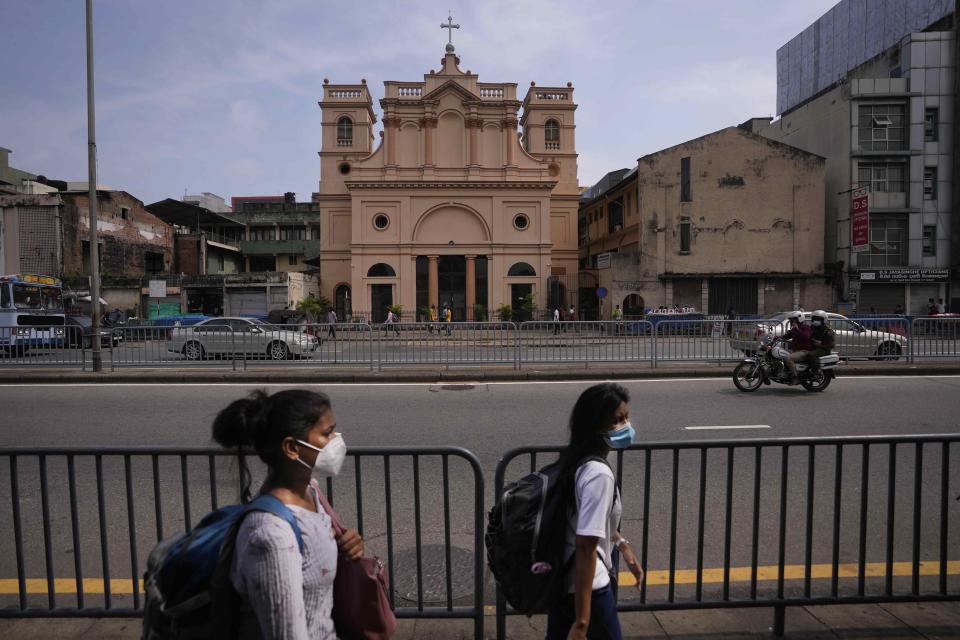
(381, 221)
(521, 221)
(344, 168)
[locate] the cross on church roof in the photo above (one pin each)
(451, 27)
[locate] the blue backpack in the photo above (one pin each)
(187, 583)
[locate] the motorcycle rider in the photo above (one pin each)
(799, 336)
(823, 338)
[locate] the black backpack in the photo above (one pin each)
(526, 538)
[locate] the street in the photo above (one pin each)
(488, 419)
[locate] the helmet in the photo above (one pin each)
(795, 315)
(820, 315)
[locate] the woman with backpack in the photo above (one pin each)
(285, 593)
(599, 422)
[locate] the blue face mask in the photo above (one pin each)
(621, 437)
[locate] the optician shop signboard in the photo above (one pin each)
(905, 275)
(860, 219)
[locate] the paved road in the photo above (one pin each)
(488, 419)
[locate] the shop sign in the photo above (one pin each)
(603, 261)
(905, 275)
(860, 219)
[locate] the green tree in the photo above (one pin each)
(316, 307)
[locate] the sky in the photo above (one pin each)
(221, 95)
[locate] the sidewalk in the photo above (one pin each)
(886, 622)
(300, 374)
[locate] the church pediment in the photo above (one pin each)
(451, 87)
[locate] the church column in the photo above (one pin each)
(471, 286)
(474, 125)
(428, 124)
(390, 138)
(434, 282)
(510, 138)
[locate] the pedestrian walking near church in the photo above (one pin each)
(556, 321)
(433, 319)
(390, 323)
(332, 324)
(599, 422)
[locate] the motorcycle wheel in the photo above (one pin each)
(817, 381)
(747, 376)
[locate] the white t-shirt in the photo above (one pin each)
(597, 514)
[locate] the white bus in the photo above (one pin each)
(31, 312)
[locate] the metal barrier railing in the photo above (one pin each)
(447, 343)
(855, 520)
(935, 338)
(464, 343)
(108, 506)
(605, 342)
(45, 345)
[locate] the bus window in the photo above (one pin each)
(4, 295)
(52, 300)
(26, 297)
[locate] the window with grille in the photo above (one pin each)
(930, 183)
(552, 134)
(152, 262)
(888, 242)
(291, 259)
(344, 132)
(685, 195)
(882, 176)
(881, 127)
(293, 233)
(263, 233)
(930, 240)
(685, 229)
(931, 119)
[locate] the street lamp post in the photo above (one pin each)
(92, 197)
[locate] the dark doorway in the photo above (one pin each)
(263, 263)
(381, 297)
(518, 296)
(452, 283)
(342, 303)
(739, 294)
(556, 294)
(633, 307)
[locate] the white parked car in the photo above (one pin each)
(853, 339)
(246, 337)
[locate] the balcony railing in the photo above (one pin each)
(410, 92)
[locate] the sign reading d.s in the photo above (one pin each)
(860, 219)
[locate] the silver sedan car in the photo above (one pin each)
(246, 337)
(853, 340)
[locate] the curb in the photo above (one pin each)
(314, 376)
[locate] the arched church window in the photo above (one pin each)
(521, 269)
(381, 270)
(344, 132)
(552, 134)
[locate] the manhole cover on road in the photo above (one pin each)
(434, 573)
(452, 387)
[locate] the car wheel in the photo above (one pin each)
(888, 351)
(193, 350)
(747, 376)
(278, 351)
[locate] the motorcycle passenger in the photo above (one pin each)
(800, 343)
(823, 337)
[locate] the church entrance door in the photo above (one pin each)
(452, 287)
(519, 294)
(381, 297)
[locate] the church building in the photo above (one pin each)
(451, 206)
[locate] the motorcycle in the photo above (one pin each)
(768, 366)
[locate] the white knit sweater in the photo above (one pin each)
(291, 595)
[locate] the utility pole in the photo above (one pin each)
(92, 197)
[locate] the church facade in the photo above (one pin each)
(453, 206)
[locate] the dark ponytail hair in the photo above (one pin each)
(593, 413)
(261, 422)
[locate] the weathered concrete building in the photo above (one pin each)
(132, 241)
(728, 220)
(280, 234)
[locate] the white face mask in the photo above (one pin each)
(329, 459)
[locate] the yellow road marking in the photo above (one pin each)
(767, 573)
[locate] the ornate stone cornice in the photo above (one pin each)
(410, 184)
